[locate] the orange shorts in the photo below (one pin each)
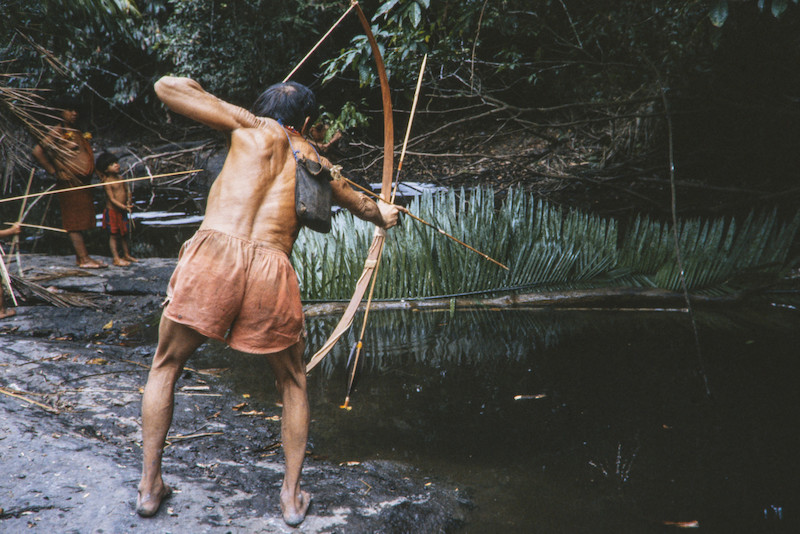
(238, 291)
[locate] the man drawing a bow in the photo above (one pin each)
(233, 281)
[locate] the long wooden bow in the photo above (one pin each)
(386, 189)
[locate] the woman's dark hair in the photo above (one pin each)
(288, 103)
(104, 160)
(67, 102)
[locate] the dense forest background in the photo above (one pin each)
(593, 104)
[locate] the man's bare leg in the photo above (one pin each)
(290, 377)
(176, 343)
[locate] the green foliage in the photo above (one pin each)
(719, 11)
(236, 49)
(230, 47)
(518, 43)
(402, 34)
(96, 42)
(82, 35)
(544, 246)
(348, 120)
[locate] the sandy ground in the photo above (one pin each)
(70, 434)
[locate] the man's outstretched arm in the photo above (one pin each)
(186, 97)
(381, 214)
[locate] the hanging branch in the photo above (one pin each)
(6, 277)
(674, 209)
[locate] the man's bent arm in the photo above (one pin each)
(186, 97)
(384, 215)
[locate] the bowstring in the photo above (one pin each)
(380, 254)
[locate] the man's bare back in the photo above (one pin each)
(253, 196)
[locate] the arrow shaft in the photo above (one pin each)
(423, 221)
(101, 184)
(39, 227)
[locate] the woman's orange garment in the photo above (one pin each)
(77, 210)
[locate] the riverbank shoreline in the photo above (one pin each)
(70, 429)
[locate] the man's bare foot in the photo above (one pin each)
(147, 505)
(130, 258)
(119, 262)
(294, 514)
(7, 312)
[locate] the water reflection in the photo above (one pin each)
(558, 421)
(166, 218)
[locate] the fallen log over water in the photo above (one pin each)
(597, 298)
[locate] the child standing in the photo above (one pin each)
(7, 312)
(118, 206)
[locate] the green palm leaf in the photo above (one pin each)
(545, 247)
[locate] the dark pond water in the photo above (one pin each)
(566, 421)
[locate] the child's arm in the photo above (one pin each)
(128, 198)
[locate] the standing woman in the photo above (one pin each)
(66, 154)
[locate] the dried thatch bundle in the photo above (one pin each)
(60, 300)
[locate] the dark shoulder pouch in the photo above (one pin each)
(312, 195)
(312, 192)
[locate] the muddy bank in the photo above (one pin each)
(70, 430)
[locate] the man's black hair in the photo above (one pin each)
(104, 160)
(288, 103)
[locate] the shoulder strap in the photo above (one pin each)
(296, 152)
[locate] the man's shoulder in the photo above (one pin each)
(265, 125)
(267, 132)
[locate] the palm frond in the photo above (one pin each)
(544, 245)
